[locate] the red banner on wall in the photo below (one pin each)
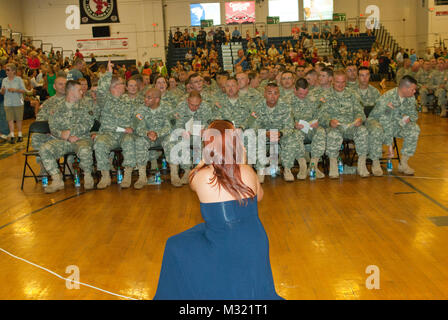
(240, 12)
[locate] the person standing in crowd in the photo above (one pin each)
(13, 89)
(4, 128)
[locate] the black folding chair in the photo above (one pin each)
(36, 127)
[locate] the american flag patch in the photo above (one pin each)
(139, 116)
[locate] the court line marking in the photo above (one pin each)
(421, 192)
(61, 277)
(43, 208)
(427, 178)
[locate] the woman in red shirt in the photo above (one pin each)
(33, 61)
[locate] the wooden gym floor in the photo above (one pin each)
(323, 234)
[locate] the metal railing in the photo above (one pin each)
(282, 29)
(384, 38)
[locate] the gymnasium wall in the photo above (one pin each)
(141, 21)
(11, 13)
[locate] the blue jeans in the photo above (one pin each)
(4, 128)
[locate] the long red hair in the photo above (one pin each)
(225, 156)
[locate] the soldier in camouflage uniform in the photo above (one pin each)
(406, 70)
(352, 76)
(248, 94)
(424, 80)
(152, 130)
(196, 82)
(368, 96)
(189, 110)
(287, 86)
(325, 82)
(395, 111)
(47, 109)
(305, 109)
(439, 80)
(116, 129)
(70, 124)
(312, 77)
(342, 116)
(275, 114)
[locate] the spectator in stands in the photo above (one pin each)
(337, 33)
(428, 54)
(186, 39)
(236, 35)
(272, 52)
(201, 38)
(78, 55)
(315, 31)
(349, 31)
(413, 57)
(219, 36)
(356, 31)
(307, 44)
(326, 31)
(192, 40)
(33, 61)
(227, 35)
(374, 65)
(196, 64)
(264, 38)
(75, 73)
(177, 40)
(399, 57)
(209, 38)
(248, 37)
(242, 61)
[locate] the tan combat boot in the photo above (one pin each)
(174, 171)
(362, 169)
(260, 175)
(424, 109)
(404, 168)
(127, 177)
(88, 181)
(376, 168)
(186, 177)
(56, 185)
(443, 113)
(303, 169)
(319, 174)
(105, 180)
(287, 175)
(334, 172)
(142, 178)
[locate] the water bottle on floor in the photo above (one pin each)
(164, 164)
(340, 166)
(119, 176)
(389, 166)
(312, 172)
(77, 180)
(273, 171)
(45, 181)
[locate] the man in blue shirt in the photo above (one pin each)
(75, 73)
(236, 35)
(242, 61)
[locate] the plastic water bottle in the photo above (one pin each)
(312, 172)
(389, 166)
(340, 166)
(45, 181)
(119, 176)
(273, 171)
(77, 180)
(158, 179)
(164, 164)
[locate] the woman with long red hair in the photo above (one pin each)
(227, 257)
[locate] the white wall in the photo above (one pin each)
(11, 13)
(45, 20)
(406, 20)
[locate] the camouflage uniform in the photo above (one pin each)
(183, 115)
(79, 120)
(439, 78)
(345, 108)
(237, 112)
(390, 122)
(404, 72)
(287, 95)
(424, 78)
(151, 120)
(279, 117)
(116, 112)
(48, 109)
(305, 109)
(251, 96)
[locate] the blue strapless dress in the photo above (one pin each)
(225, 258)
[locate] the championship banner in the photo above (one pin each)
(240, 12)
(102, 44)
(98, 11)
